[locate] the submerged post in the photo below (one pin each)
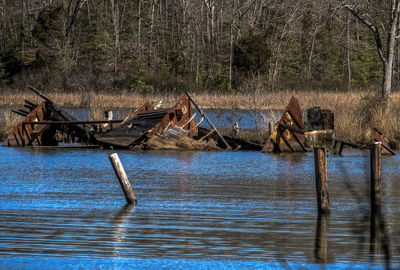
(376, 167)
(321, 179)
(123, 179)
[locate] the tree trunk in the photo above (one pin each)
(115, 19)
(22, 34)
(387, 60)
(140, 28)
(348, 53)
(391, 43)
(230, 53)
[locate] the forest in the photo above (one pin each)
(215, 46)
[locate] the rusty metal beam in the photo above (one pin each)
(292, 128)
(208, 120)
(288, 134)
(377, 136)
(19, 113)
(69, 122)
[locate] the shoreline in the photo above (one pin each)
(353, 110)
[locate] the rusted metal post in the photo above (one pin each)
(376, 167)
(123, 179)
(321, 179)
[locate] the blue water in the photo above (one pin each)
(64, 209)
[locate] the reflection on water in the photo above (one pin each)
(120, 227)
(195, 209)
(321, 238)
(380, 240)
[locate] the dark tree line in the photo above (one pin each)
(196, 45)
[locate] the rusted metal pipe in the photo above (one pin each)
(208, 120)
(69, 122)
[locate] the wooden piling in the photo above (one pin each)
(376, 167)
(321, 179)
(123, 179)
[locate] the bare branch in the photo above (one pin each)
(372, 27)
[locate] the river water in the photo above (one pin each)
(64, 209)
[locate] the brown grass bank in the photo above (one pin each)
(353, 111)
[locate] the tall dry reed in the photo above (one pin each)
(8, 120)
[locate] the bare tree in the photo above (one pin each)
(387, 58)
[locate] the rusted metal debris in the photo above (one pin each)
(170, 128)
(148, 127)
(288, 134)
(26, 135)
(35, 131)
(214, 129)
(148, 121)
(377, 136)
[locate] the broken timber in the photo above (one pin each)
(288, 134)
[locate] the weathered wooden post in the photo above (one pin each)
(321, 180)
(321, 136)
(376, 167)
(123, 179)
(320, 140)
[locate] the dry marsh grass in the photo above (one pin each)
(8, 120)
(353, 111)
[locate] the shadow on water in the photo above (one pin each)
(379, 240)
